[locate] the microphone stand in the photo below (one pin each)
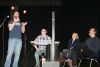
(5, 18)
(2, 25)
(25, 38)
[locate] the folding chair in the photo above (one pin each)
(65, 54)
(91, 60)
(88, 56)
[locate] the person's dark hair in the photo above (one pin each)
(12, 13)
(95, 30)
(44, 29)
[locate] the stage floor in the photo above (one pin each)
(30, 62)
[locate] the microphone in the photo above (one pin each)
(4, 19)
(15, 17)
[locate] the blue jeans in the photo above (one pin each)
(14, 46)
(37, 54)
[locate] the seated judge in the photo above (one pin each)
(71, 57)
(40, 44)
(93, 43)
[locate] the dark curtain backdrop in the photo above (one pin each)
(71, 16)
